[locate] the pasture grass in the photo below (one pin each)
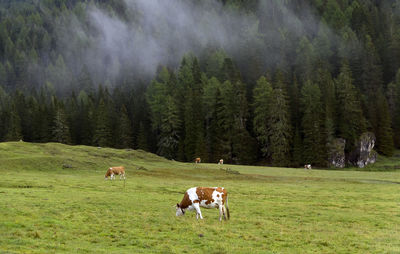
(54, 199)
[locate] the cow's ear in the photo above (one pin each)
(177, 205)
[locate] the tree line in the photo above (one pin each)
(215, 104)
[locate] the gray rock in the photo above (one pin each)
(336, 154)
(364, 153)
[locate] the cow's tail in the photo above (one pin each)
(227, 207)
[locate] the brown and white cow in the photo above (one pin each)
(221, 161)
(197, 160)
(307, 166)
(207, 197)
(111, 172)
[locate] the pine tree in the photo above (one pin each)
(193, 118)
(295, 113)
(169, 130)
(305, 60)
(372, 82)
(297, 157)
(86, 119)
(142, 140)
(328, 101)
(230, 71)
(102, 132)
(351, 122)
(191, 130)
(279, 130)
(226, 115)
(244, 146)
(323, 47)
(214, 64)
(212, 103)
(165, 118)
(14, 130)
(311, 124)
(61, 130)
(384, 135)
(124, 130)
(262, 94)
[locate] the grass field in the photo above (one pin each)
(54, 199)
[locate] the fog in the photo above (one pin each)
(160, 32)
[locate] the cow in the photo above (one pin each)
(307, 166)
(197, 160)
(221, 161)
(207, 197)
(111, 172)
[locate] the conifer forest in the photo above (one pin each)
(260, 82)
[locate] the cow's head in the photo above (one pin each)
(108, 174)
(179, 210)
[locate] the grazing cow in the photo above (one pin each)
(307, 166)
(111, 172)
(221, 161)
(208, 197)
(197, 160)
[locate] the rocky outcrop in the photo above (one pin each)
(336, 155)
(364, 153)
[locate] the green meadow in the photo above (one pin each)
(54, 199)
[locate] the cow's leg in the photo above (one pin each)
(220, 212)
(198, 212)
(112, 176)
(223, 211)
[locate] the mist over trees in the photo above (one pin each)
(271, 82)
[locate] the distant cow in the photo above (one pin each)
(221, 161)
(197, 160)
(207, 197)
(111, 172)
(307, 166)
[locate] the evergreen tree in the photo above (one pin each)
(295, 113)
(142, 140)
(262, 103)
(384, 135)
(230, 71)
(311, 124)
(328, 101)
(102, 129)
(297, 158)
(305, 60)
(169, 130)
(214, 64)
(279, 128)
(124, 130)
(193, 119)
(372, 82)
(86, 119)
(351, 122)
(14, 132)
(212, 103)
(226, 115)
(61, 133)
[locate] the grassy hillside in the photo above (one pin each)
(53, 199)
